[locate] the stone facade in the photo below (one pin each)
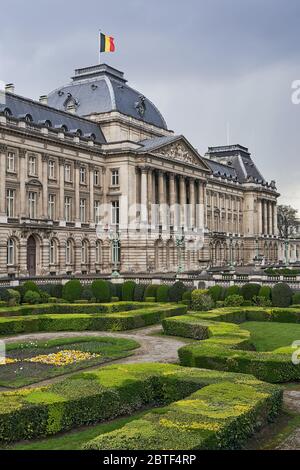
(63, 194)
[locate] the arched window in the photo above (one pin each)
(53, 252)
(7, 112)
(69, 252)
(84, 252)
(11, 252)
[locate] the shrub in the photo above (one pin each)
(296, 298)
(216, 292)
(261, 301)
(220, 303)
(72, 290)
(139, 292)
(187, 295)
(30, 285)
(266, 292)
(128, 290)
(87, 293)
(115, 299)
(101, 290)
(44, 296)
(151, 290)
(32, 297)
(176, 291)
(150, 299)
(234, 301)
(112, 288)
(250, 290)
(4, 294)
(118, 290)
(247, 303)
(162, 294)
(201, 300)
(232, 290)
(13, 297)
(282, 295)
(54, 290)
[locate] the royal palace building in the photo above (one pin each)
(86, 172)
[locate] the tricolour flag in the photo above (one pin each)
(106, 43)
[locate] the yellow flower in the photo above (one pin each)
(7, 360)
(63, 358)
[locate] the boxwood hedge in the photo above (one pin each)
(120, 321)
(220, 410)
(228, 347)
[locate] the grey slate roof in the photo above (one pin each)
(19, 107)
(101, 89)
(220, 169)
(156, 142)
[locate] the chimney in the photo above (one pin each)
(44, 99)
(10, 88)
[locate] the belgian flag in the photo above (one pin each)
(106, 43)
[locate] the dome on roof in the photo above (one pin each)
(102, 89)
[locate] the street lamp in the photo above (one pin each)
(286, 245)
(180, 242)
(114, 238)
(231, 267)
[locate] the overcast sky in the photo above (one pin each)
(204, 63)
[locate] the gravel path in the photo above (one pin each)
(153, 348)
(291, 400)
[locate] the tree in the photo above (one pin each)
(287, 221)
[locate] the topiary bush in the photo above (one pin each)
(151, 290)
(32, 297)
(234, 301)
(54, 290)
(118, 292)
(176, 291)
(139, 292)
(101, 290)
(266, 292)
(128, 290)
(72, 290)
(112, 288)
(87, 293)
(296, 298)
(216, 292)
(201, 300)
(13, 297)
(232, 290)
(30, 285)
(282, 295)
(250, 290)
(162, 294)
(262, 301)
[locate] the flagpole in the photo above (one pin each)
(99, 46)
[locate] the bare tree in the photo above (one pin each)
(287, 221)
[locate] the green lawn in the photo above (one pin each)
(75, 439)
(267, 336)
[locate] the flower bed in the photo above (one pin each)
(31, 362)
(211, 409)
(227, 347)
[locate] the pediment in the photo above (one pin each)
(181, 151)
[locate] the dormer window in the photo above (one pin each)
(28, 118)
(7, 112)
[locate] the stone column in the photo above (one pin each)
(91, 174)
(62, 220)
(162, 197)
(270, 221)
(192, 203)
(22, 177)
(172, 188)
(275, 220)
(182, 200)
(259, 216)
(45, 185)
(265, 208)
(150, 195)
(77, 195)
(3, 216)
(144, 196)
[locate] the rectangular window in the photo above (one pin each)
(10, 203)
(68, 173)
(11, 162)
(51, 206)
(82, 175)
(97, 212)
(68, 209)
(115, 213)
(32, 200)
(82, 210)
(96, 178)
(51, 169)
(32, 167)
(115, 177)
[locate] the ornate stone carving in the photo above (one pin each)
(3, 148)
(180, 152)
(140, 105)
(22, 153)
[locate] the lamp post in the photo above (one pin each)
(114, 238)
(231, 267)
(180, 241)
(286, 246)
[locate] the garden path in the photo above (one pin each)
(153, 346)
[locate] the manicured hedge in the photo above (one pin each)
(282, 295)
(101, 290)
(128, 290)
(227, 347)
(72, 290)
(89, 322)
(151, 290)
(176, 291)
(250, 290)
(163, 293)
(235, 406)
